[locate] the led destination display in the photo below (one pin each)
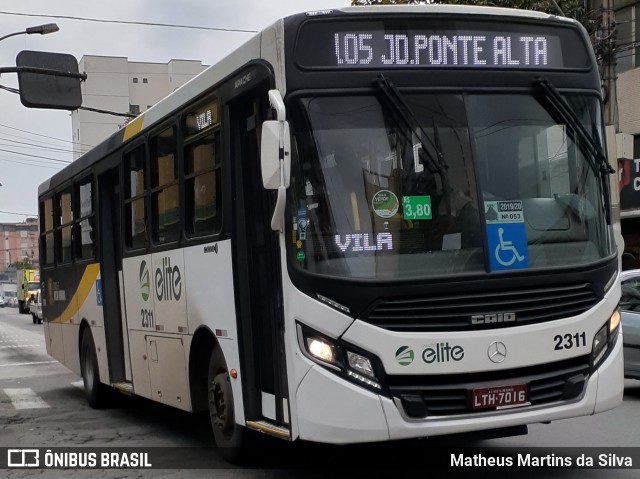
(430, 44)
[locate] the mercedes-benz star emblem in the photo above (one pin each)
(497, 352)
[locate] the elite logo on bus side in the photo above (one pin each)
(160, 283)
(167, 284)
(168, 281)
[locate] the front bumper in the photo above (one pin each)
(332, 410)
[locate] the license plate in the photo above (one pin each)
(499, 396)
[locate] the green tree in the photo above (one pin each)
(24, 263)
(570, 8)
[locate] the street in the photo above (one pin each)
(42, 404)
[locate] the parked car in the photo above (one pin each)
(630, 314)
(1, 302)
(12, 302)
(35, 307)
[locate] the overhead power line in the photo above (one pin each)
(43, 136)
(17, 214)
(33, 146)
(97, 110)
(32, 164)
(35, 156)
(125, 22)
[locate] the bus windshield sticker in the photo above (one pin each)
(416, 207)
(302, 224)
(294, 230)
(506, 235)
(385, 204)
(503, 212)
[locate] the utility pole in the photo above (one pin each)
(605, 48)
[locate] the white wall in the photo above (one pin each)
(110, 86)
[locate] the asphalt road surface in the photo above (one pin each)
(42, 405)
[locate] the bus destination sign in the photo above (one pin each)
(381, 49)
(374, 45)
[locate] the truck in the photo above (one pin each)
(28, 284)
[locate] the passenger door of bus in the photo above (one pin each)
(110, 265)
(258, 279)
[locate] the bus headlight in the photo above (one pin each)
(360, 364)
(321, 350)
(604, 338)
(341, 358)
(599, 346)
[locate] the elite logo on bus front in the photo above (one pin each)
(404, 356)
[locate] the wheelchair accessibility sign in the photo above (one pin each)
(506, 236)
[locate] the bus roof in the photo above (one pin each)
(250, 50)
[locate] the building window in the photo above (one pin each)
(134, 109)
(135, 80)
(628, 32)
(145, 80)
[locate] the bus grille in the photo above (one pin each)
(452, 312)
(433, 396)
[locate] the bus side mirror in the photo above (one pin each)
(275, 154)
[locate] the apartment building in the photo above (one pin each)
(117, 85)
(19, 241)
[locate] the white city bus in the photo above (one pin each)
(365, 224)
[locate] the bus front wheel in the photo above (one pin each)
(229, 436)
(90, 373)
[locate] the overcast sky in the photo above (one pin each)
(47, 133)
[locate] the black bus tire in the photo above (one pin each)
(230, 437)
(94, 390)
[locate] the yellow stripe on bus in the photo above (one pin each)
(84, 288)
(133, 128)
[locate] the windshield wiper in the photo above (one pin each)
(561, 110)
(404, 115)
(558, 106)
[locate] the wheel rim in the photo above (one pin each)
(220, 406)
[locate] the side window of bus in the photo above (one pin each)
(203, 170)
(47, 232)
(83, 238)
(65, 226)
(135, 190)
(165, 212)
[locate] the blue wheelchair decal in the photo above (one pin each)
(99, 291)
(507, 246)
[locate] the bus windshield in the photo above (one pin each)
(392, 185)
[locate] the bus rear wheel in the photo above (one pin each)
(229, 436)
(95, 392)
